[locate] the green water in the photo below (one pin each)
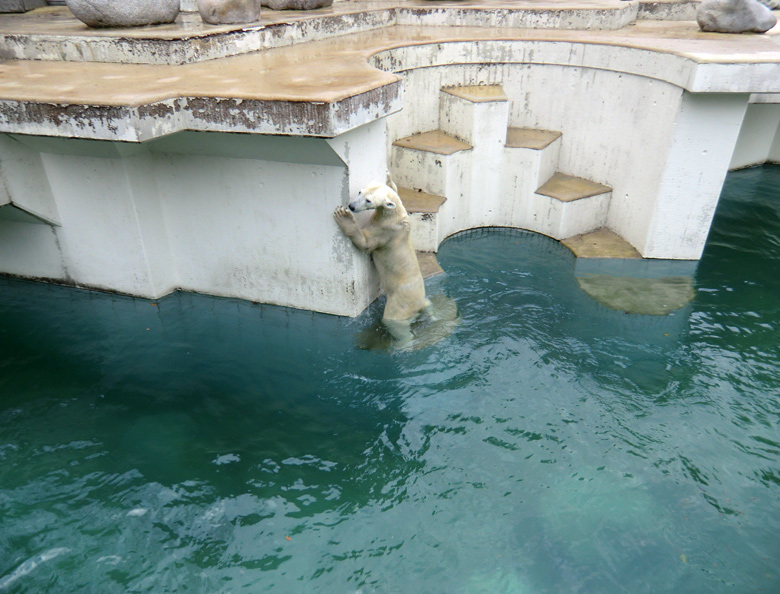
(549, 445)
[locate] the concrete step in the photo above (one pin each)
(423, 209)
(601, 243)
(566, 206)
(568, 188)
(431, 162)
(530, 159)
(434, 141)
(429, 265)
(530, 138)
(476, 114)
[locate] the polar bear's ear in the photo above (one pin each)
(391, 184)
(389, 203)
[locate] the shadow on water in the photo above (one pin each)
(549, 444)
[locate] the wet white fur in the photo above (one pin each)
(386, 237)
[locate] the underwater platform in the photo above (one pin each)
(209, 158)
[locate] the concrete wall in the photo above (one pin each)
(663, 150)
(232, 215)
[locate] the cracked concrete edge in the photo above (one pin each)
(205, 114)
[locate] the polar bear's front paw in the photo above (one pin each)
(344, 218)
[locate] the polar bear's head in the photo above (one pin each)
(375, 196)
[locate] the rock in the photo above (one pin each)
(229, 12)
(127, 13)
(20, 5)
(296, 4)
(735, 16)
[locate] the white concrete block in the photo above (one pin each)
(476, 122)
(583, 216)
(757, 135)
(425, 231)
(523, 171)
(560, 220)
(702, 143)
(25, 194)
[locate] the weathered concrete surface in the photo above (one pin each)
(128, 13)
(735, 16)
(54, 34)
(324, 88)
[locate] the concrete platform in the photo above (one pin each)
(52, 33)
(318, 88)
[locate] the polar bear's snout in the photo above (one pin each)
(361, 203)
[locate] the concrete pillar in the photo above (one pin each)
(757, 135)
(702, 143)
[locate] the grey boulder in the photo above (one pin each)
(229, 12)
(126, 13)
(20, 5)
(296, 4)
(735, 16)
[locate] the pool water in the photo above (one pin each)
(550, 444)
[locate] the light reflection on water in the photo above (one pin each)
(548, 445)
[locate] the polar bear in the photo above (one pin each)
(386, 237)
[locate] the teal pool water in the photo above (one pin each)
(549, 445)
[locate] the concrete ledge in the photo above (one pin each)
(420, 202)
(568, 188)
(325, 87)
(530, 138)
(429, 265)
(668, 10)
(54, 34)
(434, 141)
(478, 93)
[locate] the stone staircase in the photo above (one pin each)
(475, 171)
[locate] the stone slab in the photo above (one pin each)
(530, 138)
(429, 265)
(418, 201)
(568, 188)
(478, 93)
(434, 141)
